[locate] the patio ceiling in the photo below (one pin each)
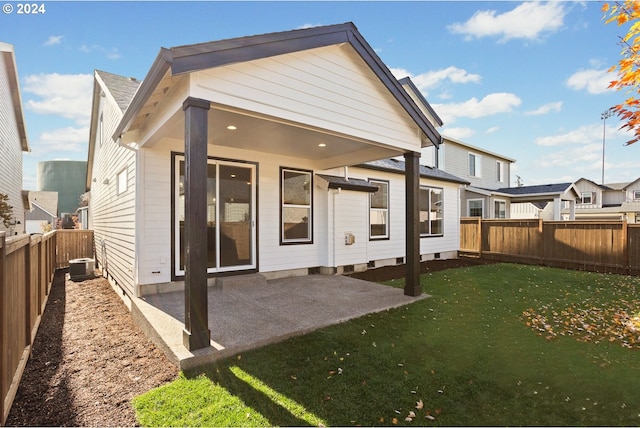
(270, 135)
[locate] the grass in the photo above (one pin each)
(495, 345)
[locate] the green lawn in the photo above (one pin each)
(495, 345)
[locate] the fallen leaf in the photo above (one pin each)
(419, 404)
(394, 421)
(431, 418)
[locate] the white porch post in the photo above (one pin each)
(557, 209)
(572, 210)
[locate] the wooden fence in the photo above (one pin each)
(27, 266)
(610, 246)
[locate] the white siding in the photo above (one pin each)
(349, 214)
(589, 187)
(328, 88)
(10, 148)
(456, 162)
(112, 216)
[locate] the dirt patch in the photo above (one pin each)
(89, 358)
(394, 272)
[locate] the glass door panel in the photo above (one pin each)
(236, 208)
(230, 216)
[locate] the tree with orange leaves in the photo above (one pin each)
(627, 12)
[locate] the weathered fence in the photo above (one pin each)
(610, 246)
(27, 266)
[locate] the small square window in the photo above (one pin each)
(122, 181)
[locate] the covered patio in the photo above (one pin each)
(249, 312)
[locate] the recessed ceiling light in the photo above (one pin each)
(232, 127)
(322, 145)
(233, 176)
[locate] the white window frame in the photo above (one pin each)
(636, 194)
(496, 203)
(499, 171)
(385, 210)
(469, 201)
(284, 205)
(586, 195)
(475, 165)
(122, 181)
(429, 215)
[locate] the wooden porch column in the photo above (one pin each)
(196, 333)
(412, 221)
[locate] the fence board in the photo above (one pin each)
(27, 267)
(611, 246)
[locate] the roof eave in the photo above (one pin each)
(16, 98)
(157, 71)
(190, 58)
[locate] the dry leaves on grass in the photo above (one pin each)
(609, 315)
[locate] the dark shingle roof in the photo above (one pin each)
(395, 165)
(528, 190)
(121, 88)
(348, 183)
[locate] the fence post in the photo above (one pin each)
(479, 237)
(625, 247)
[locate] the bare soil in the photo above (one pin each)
(89, 358)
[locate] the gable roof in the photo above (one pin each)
(398, 166)
(406, 81)
(190, 58)
(477, 149)
(7, 51)
(121, 88)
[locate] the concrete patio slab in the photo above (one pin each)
(252, 314)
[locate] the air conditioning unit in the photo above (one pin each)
(81, 269)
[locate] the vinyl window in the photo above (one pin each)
(379, 211)
(296, 211)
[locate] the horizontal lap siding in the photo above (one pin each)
(10, 149)
(335, 91)
(156, 201)
(112, 216)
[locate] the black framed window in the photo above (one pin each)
(296, 208)
(379, 211)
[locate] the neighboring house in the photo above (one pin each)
(486, 172)
(13, 138)
(280, 140)
(615, 201)
(546, 199)
(44, 211)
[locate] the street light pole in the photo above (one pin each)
(605, 114)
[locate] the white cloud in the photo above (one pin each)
(459, 133)
(582, 135)
(545, 108)
(61, 142)
(593, 81)
(53, 40)
(492, 130)
(499, 102)
(530, 20)
(587, 157)
(434, 78)
(111, 53)
(65, 95)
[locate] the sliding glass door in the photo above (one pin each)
(230, 216)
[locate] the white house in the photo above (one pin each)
(612, 201)
(13, 138)
(263, 154)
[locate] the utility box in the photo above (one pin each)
(81, 269)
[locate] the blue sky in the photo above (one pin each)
(526, 80)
